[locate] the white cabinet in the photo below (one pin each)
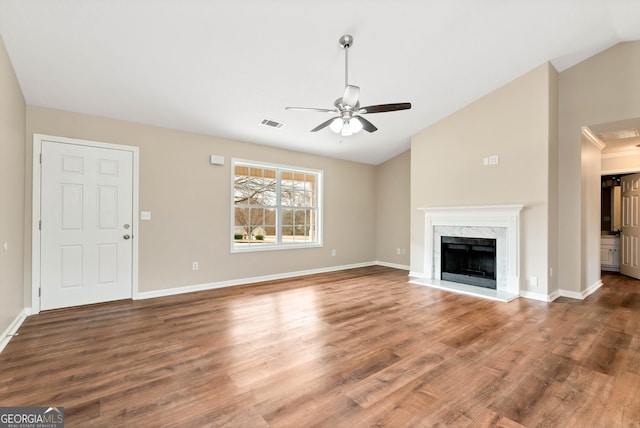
(610, 253)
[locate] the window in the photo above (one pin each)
(275, 206)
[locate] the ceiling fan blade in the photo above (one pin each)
(321, 110)
(324, 124)
(366, 125)
(381, 108)
(351, 95)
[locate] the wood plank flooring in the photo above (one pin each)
(356, 348)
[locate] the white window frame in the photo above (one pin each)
(279, 245)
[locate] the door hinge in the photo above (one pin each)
(40, 157)
(39, 224)
(39, 292)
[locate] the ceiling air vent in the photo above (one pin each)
(271, 123)
(619, 135)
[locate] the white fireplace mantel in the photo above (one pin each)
(478, 219)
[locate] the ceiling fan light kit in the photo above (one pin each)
(349, 120)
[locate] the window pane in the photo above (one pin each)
(270, 219)
(287, 216)
(254, 186)
(241, 223)
(310, 228)
(300, 217)
(269, 195)
(301, 228)
(269, 189)
(287, 192)
(257, 216)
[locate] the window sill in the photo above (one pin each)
(268, 247)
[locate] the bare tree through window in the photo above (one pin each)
(274, 205)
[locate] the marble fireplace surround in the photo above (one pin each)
(499, 222)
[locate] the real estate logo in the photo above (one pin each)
(31, 417)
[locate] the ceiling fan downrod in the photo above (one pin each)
(346, 41)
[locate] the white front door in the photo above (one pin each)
(630, 235)
(86, 204)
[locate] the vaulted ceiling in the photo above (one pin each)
(219, 67)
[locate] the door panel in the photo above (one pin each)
(86, 210)
(630, 235)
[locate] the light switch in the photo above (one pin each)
(145, 215)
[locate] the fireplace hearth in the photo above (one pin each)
(469, 261)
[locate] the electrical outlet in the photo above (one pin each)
(195, 266)
(398, 251)
(333, 252)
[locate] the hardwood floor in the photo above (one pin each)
(356, 348)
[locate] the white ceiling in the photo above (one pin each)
(219, 67)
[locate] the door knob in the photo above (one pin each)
(126, 236)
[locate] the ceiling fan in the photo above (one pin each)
(349, 119)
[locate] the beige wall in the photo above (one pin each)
(447, 169)
(591, 188)
(620, 164)
(553, 189)
(604, 88)
(189, 201)
(393, 184)
(12, 165)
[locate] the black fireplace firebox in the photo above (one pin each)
(469, 261)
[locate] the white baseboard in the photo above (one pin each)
(570, 294)
(244, 281)
(553, 296)
(13, 327)
(581, 295)
(392, 265)
(594, 287)
(418, 275)
(538, 296)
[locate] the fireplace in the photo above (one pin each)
(499, 223)
(468, 260)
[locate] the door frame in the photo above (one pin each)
(35, 212)
(632, 170)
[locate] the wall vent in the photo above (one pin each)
(619, 135)
(271, 123)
